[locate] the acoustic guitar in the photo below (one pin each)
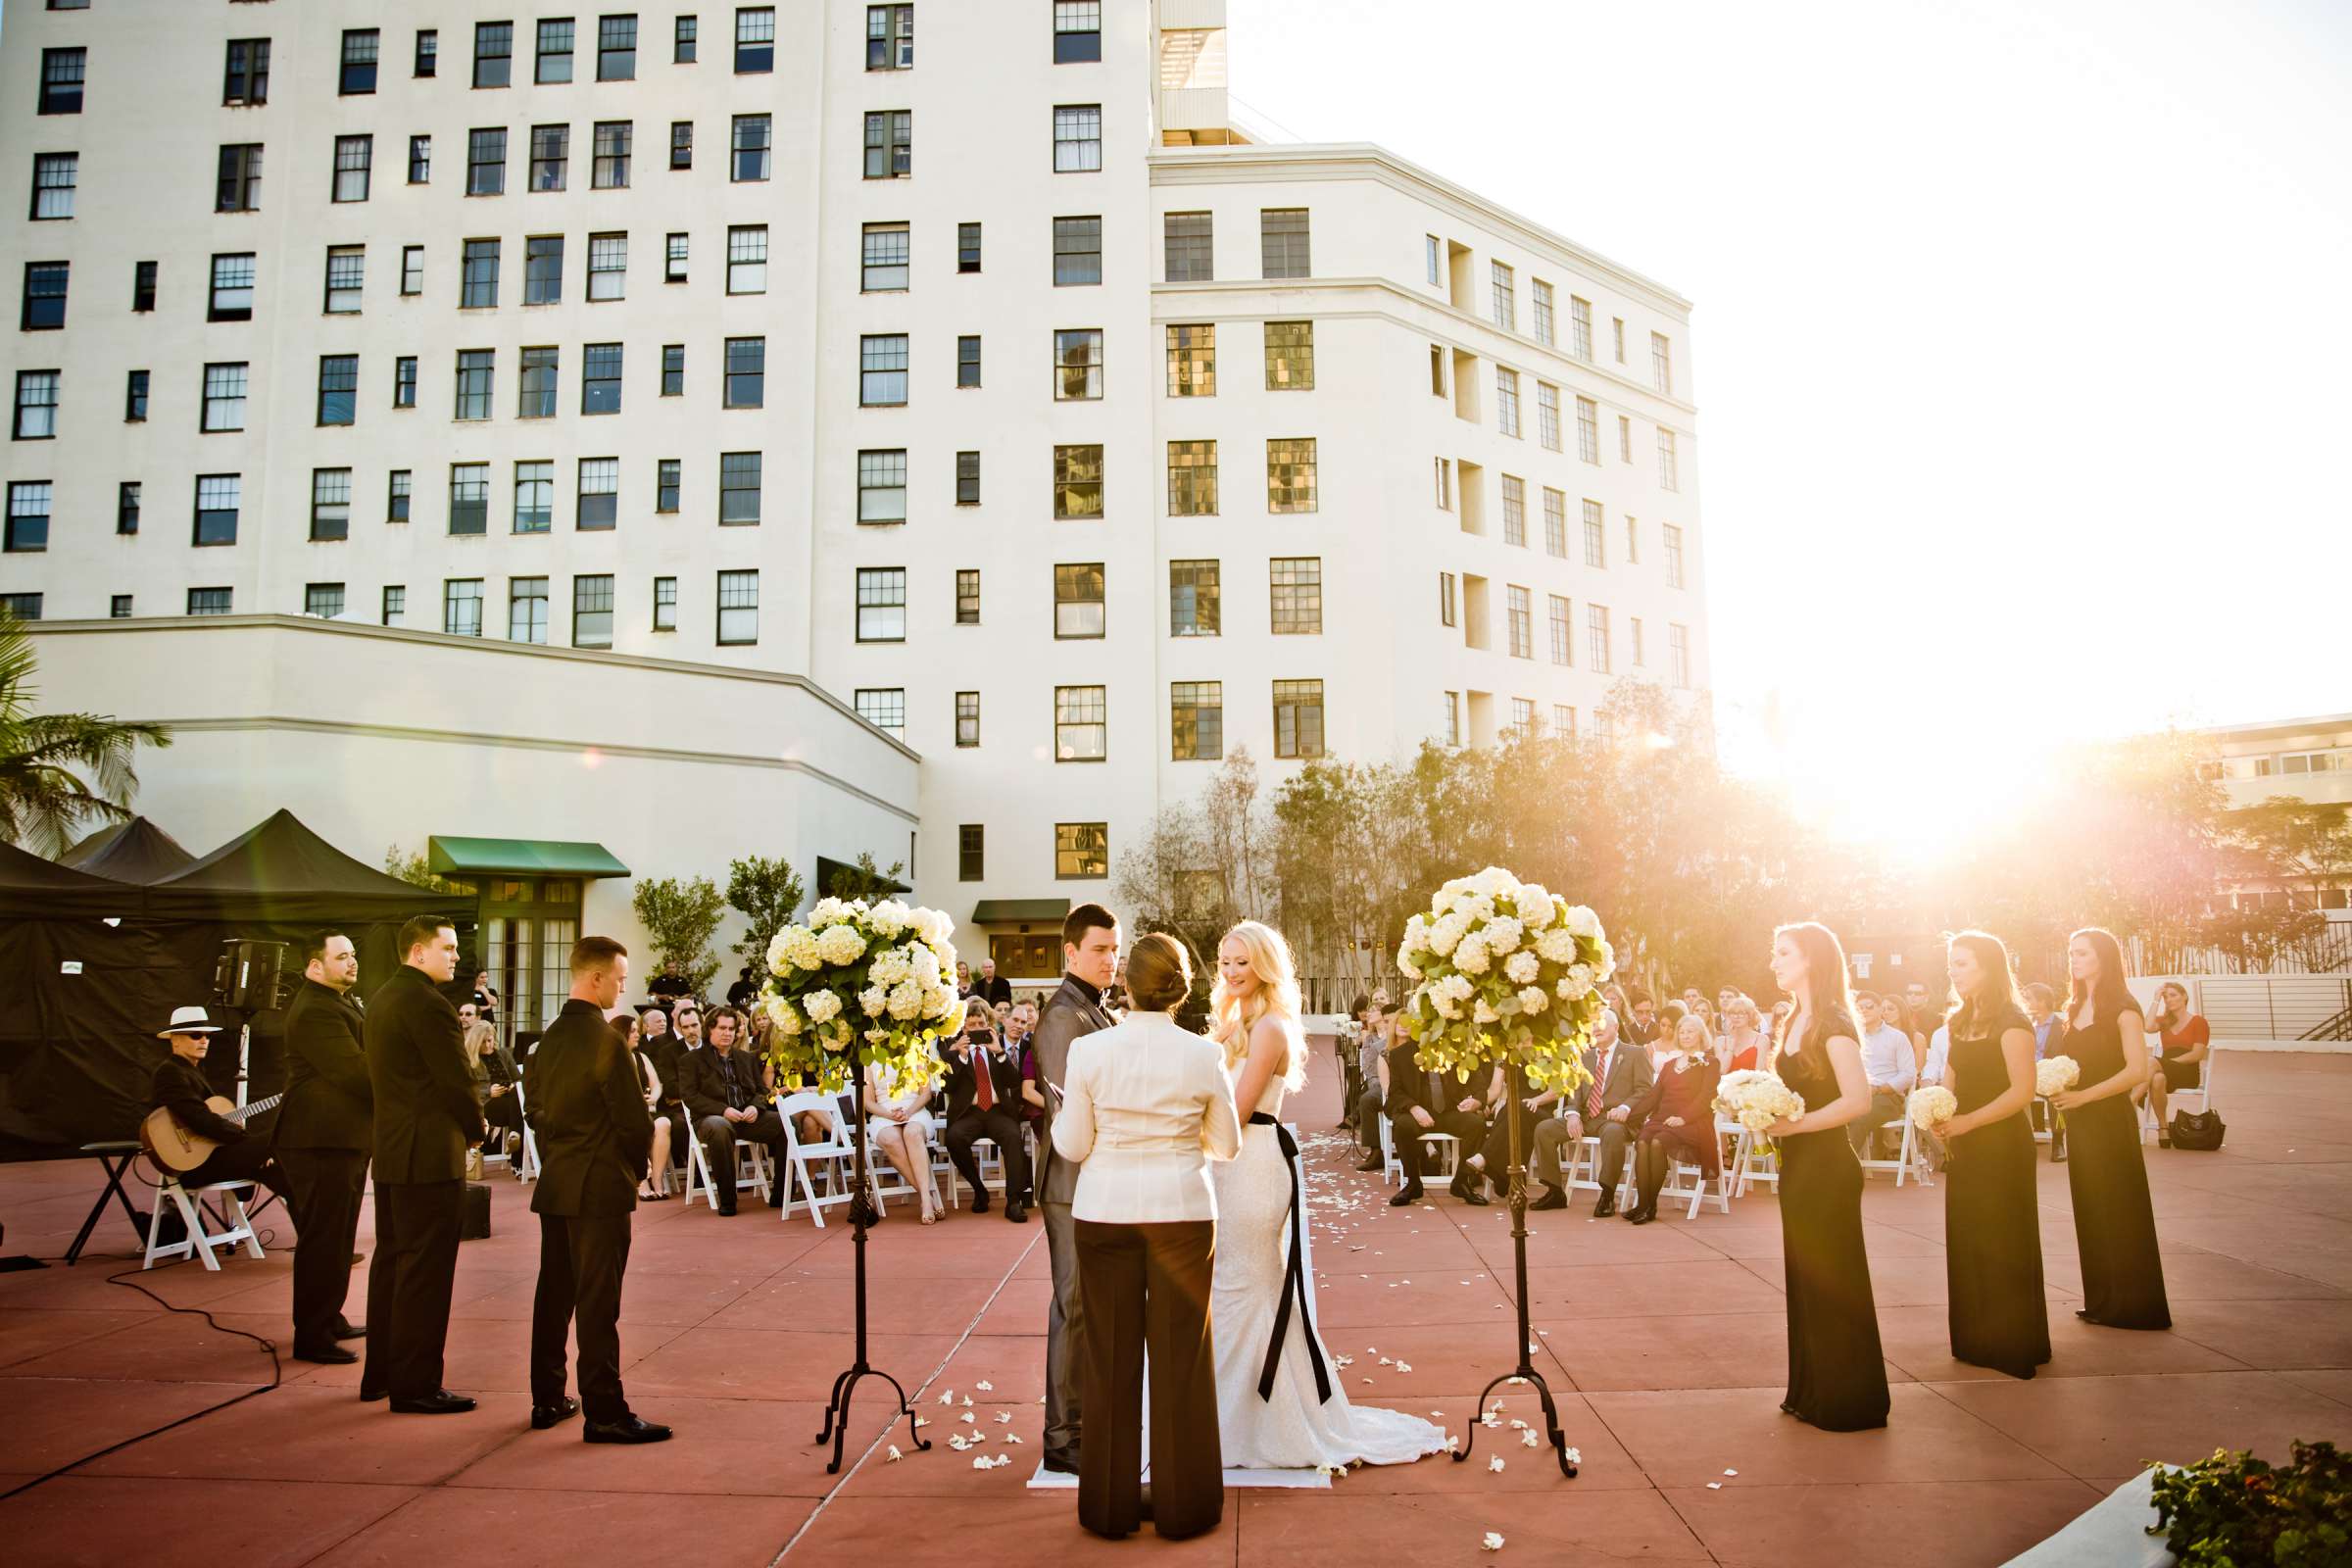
(174, 1146)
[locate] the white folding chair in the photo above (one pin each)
(1391, 1170)
(943, 1169)
(1911, 1160)
(1684, 1180)
(804, 1161)
(526, 1167)
(751, 1165)
(199, 1240)
(1753, 1159)
(2148, 1127)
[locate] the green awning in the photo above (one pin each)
(1019, 911)
(521, 857)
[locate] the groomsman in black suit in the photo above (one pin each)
(322, 1137)
(425, 1118)
(1419, 1101)
(587, 1109)
(984, 1100)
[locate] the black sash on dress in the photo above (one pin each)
(1293, 1282)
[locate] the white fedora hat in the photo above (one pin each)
(188, 1022)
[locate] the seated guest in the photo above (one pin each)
(1020, 1024)
(1743, 1046)
(491, 1066)
(1677, 1117)
(178, 1085)
(901, 1129)
(1620, 1076)
(2187, 1039)
(653, 1188)
(1380, 1031)
(686, 1022)
(984, 1100)
(1642, 1027)
(727, 1094)
(1492, 1162)
(1888, 1063)
(1419, 1101)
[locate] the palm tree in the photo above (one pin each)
(58, 770)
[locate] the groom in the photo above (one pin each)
(1089, 953)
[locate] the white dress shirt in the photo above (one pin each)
(1145, 1105)
(1939, 1056)
(1886, 1059)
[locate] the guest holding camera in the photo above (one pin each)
(984, 1100)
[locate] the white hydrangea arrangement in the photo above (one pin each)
(881, 975)
(1504, 970)
(1757, 1100)
(2055, 1074)
(1931, 1107)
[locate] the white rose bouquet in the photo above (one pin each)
(1504, 970)
(2054, 1074)
(1757, 1100)
(880, 977)
(1931, 1107)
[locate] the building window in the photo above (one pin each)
(421, 160)
(543, 270)
(493, 53)
(412, 269)
(600, 493)
(665, 603)
(1454, 712)
(1563, 631)
(1077, 32)
(1633, 542)
(738, 608)
(1289, 355)
(338, 388)
(889, 37)
(1523, 716)
(1507, 297)
(1081, 724)
(674, 369)
(614, 139)
(1078, 366)
(1298, 718)
(1077, 251)
(1445, 600)
(1078, 481)
(1674, 555)
(967, 598)
(1282, 242)
(462, 607)
(26, 606)
(882, 371)
(55, 176)
(1444, 472)
(971, 851)
(1596, 548)
(755, 39)
(1587, 430)
(747, 372)
(551, 157)
(739, 475)
(28, 516)
(135, 398)
(592, 612)
(37, 405)
(354, 158)
(1081, 850)
(608, 266)
(404, 381)
(1617, 330)
(1542, 309)
(967, 479)
(142, 286)
(1678, 655)
(331, 504)
(1596, 639)
(1196, 720)
(1296, 588)
(1580, 328)
(1555, 524)
(323, 599)
(1291, 474)
(1547, 416)
(207, 601)
(967, 719)
(967, 247)
(884, 708)
(881, 603)
(44, 306)
(1192, 478)
(889, 143)
(616, 49)
(534, 497)
(1625, 439)
(686, 41)
(61, 72)
(218, 498)
(1079, 609)
(396, 606)
(668, 474)
(527, 609)
(673, 263)
(1519, 620)
(539, 372)
(477, 276)
(681, 144)
(1193, 599)
(428, 53)
(1189, 248)
(1193, 362)
(239, 188)
(245, 75)
(232, 288)
(1077, 138)
(883, 259)
(346, 274)
(882, 486)
(1506, 401)
(469, 498)
(486, 161)
(1641, 659)
(1514, 509)
(599, 378)
(397, 494)
(1669, 471)
(967, 361)
(1661, 363)
(1563, 721)
(748, 144)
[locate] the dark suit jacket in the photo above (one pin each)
(329, 1102)
(669, 1057)
(426, 1115)
(703, 1083)
(993, 991)
(1070, 1013)
(963, 1084)
(180, 1085)
(581, 1093)
(1631, 1077)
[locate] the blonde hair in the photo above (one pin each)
(1691, 1021)
(1276, 993)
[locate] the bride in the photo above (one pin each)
(1280, 1403)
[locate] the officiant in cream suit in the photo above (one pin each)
(1145, 1106)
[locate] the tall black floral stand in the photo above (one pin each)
(1525, 1371)
(862, 1215)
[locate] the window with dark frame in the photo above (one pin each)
(667, 473)
(1282, 235)
(967, 719)
(231, 298)
(1196, 720)
(749, 144)
(614, 139)
(739, 480)
(665, 603)
(346, 278)
(1194, 598)
(889, 143)
(135, 398)
(1081, 850)
(217, 497)
(681, 144)
(358, 74)
(755, 39)
(477, 276)
(1077, 482)
(239, 188)
(1081, 724)
(127, 508)
(1297, 719)
(551, 157)
(1080, 610)
(882, 361)
(971, 851)
(35, 407)
(599, 494)
(331, 504)
(747, 372)
(747, 259)
(223, 407)
(967, 247)
(527, 609)
(592, 610)
(245, 73)
(674, 258)
(1077, 138)
(427, 61)
(967, 479)
(62, 74)
(883, 254)
(534, 497)
(142, 286)
(493, 53)
(354, 161)
(674, 369)
(399, 487)
(551, 60)
(396, 606)
(404, 381)
(1077, 251)
(608, 266)
(1189, 247)
(56, 176)
(462, 607)
(889, 37)
(421, 160)
(685, 41)
(486, 160)
(210, 601)
(1077, 32)
(28, 503)
(967, 361)
(617, 48)
(967, 597)
(338, 388)
(543, 270)
(881, 603)
(469, 498)
(599, 378)
(1078, 365)
(539, 369)
(882, 486)
(476, 380)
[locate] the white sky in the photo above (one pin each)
(2021, 336)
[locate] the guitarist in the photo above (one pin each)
(179, 1087)
(322, 1142)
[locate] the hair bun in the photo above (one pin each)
(1159, 972)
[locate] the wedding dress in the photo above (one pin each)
(1292, 1425)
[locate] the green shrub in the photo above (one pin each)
(2237, 1511)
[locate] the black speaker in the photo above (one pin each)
(250, 976)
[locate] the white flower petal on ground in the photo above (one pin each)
(1003, 1418)
(1731, 1472)
(894, 1456)
(1714, 1485)
(948, 1398)
(1575, 1456)
(985, 1387)
(1492, 1540)
(968, 1419)
(1528, 1438)
(982, 1463)
(1495, 1464)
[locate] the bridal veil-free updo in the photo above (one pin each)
(1160, 973)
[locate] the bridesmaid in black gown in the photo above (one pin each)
(2115, 1227)
(1992, 1230)
(1837, 1375)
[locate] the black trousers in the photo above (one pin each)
(1148, 1286)
(1468, 1126)
(1001, 1124)
(327, 1186)
(581, 1260)
(409, 1283)
(719, 1137)
(248, 1162)
(500, 1116)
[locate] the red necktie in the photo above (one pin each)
(1593, 1097)
(980, 1074)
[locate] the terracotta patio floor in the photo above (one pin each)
(1664, 1345)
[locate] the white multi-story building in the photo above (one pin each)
(634, 401)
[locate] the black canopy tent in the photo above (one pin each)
(135, 851)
